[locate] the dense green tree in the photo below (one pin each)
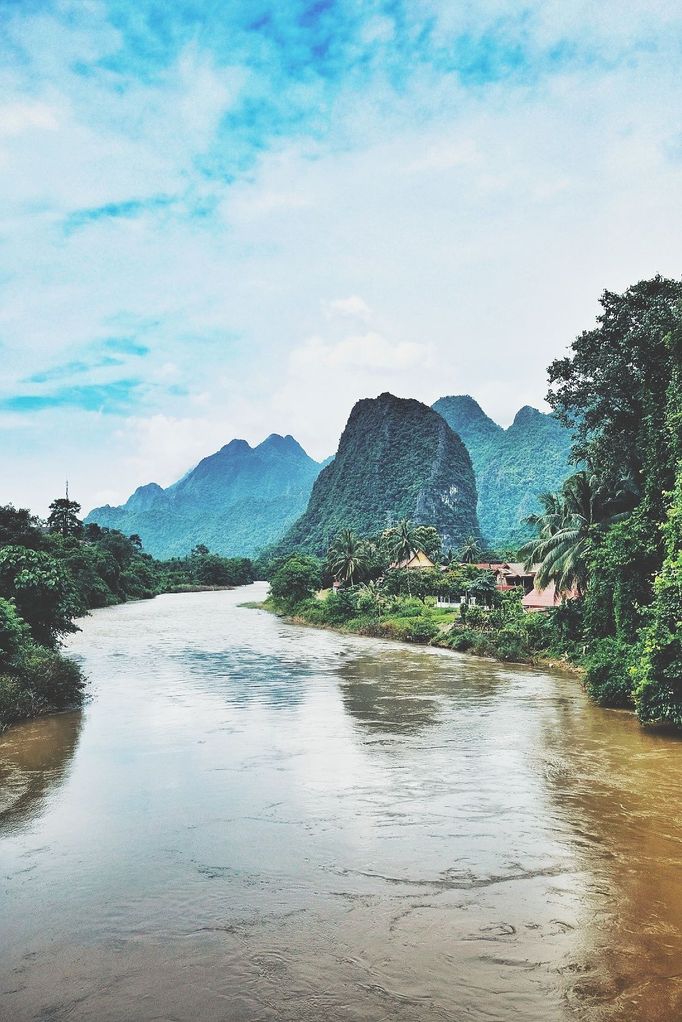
(13, 633)
(612, 389)
(296, 580)
(18, 527)
(657, 671)
(42, 591)
(621, 568)
(64, 518)
(418, 583)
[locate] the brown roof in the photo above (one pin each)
(507, 568)
(545, 599)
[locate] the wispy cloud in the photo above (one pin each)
(68, 369)
(112, 210)
(125, 346)
(197, 190)
(107, 399)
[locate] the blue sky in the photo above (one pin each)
(225, 219)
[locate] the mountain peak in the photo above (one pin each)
(236, 447)
(282, 444)
(465, 404)
(396, 459)
(236, 501)
(465, 416)
(527, 415)
(145, 497)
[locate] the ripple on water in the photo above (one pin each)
(255, 821)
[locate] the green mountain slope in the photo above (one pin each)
(396, 459)
(236, 501)
(513, 466)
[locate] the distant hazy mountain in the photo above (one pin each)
(396, 459)
(235, 501)
(513, 466)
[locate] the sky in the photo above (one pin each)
(225, 219)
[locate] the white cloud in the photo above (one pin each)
(21, 116)
(466, 232)
(359, 351)
(445, 155)
(353, 306)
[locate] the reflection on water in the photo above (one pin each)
(399, 693)
(257, 821)
(34, 760)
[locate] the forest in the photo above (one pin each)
(54, 572)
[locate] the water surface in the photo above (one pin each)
(254, 821)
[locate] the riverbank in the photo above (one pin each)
(433, 627)
(196, 589)
(43, 681)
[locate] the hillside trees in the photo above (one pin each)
(614, 390)
(657, 671)
(620, 390)
(50, 576)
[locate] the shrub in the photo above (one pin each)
(54, 681)
(412, 629)
(462, 640)
(340, 606)
(16, 701)
(509, 644)
(607, 677)
(409, 607)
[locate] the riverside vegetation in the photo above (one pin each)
(55, 572)
(610, 538)
(378, 600)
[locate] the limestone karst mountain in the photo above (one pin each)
(396, 459)
(513, 466)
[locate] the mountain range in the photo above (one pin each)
(236, 501)
(450, 466)
(513, 466)
(396, 459)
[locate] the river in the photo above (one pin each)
(252, 821)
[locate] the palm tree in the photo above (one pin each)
(567, 528)
(348, 557)
(470, 550)
(405, 540)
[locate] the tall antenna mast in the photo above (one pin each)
(67, 489)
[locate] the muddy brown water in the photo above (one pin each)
(254, 821)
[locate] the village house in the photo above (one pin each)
(510, 575)
(417, 560)
(545, 599)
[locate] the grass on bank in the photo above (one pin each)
(505, 633)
